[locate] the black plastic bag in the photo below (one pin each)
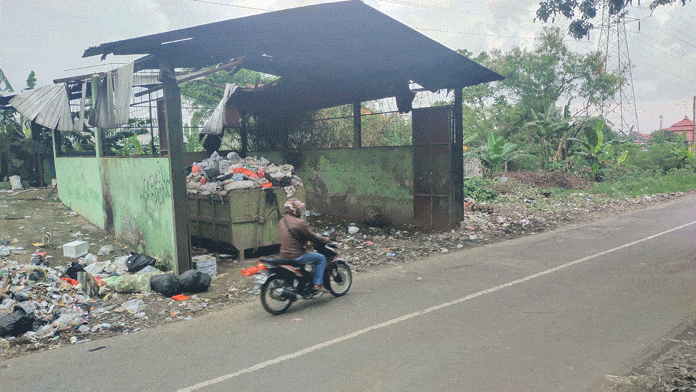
(16, 323)
(165, 284)
(73, 270)
(194, 281)
(136, 262)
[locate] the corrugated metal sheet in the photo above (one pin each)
(47, 106)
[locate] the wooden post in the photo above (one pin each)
(693, 125)
(457, 205)
(98, 133)
(244, 135)
(177, 166)
(357, 125)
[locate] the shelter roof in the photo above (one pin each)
(326, 54)
(683, 125)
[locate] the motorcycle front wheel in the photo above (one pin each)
(273, 295)
(338, 278)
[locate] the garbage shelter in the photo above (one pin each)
(324, 55)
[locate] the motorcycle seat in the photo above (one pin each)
(278, 260)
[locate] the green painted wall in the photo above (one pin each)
(129, 197)
(79, 187)
(345, 182)
(138, 204)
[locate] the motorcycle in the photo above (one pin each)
(284, 281)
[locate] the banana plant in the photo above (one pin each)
(596, 151)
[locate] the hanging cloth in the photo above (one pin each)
(112, 106)
(216, 122)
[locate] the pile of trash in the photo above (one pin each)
(38, 301)
(218, 175)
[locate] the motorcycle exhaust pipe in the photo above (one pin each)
(289, 294)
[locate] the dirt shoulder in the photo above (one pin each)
(35, 220)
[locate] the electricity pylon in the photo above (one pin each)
(5, 85)
(621, 109)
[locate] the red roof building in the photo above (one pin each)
(683, 126)
(640, 138)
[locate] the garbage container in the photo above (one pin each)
(245, 218)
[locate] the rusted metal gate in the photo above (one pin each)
(433, 136)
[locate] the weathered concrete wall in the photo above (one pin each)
(138, 206)
(129, 197)
(79, 187)
(348, 182)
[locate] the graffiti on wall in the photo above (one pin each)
(156, 189)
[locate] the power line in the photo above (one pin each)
(661, 49)
(490, 35)
(231, 5)
(667, 72)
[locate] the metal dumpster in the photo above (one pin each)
(245, 218)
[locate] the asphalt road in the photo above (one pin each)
(556, 311)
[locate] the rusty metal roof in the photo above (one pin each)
(326, 54)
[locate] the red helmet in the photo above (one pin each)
(294, 207)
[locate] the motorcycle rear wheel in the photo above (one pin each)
(338, 278)
(272, 298)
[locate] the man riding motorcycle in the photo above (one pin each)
(294, 233)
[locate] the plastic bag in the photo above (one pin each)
(136, 262)
(193, 281)
(166, 284)
(16, 183)
(134, 306)
(74, 268)
(133, 283)
(16, 323)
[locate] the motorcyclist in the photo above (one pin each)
(294, 233)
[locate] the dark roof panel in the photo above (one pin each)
(332, 43)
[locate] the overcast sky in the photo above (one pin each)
(49, 37)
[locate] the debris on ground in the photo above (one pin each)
(66, 312)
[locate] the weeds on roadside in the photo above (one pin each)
(648, 183)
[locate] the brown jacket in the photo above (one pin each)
(294, 233)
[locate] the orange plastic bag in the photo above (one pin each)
(71, 281)
(180, 297)
(249, 271)
(245, 171)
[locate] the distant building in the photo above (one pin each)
(683, 126)
(640, 138)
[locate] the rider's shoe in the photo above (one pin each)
(320, 289)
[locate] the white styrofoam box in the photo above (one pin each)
(75, 249)
(206, 264)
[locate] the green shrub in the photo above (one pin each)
(479, 189)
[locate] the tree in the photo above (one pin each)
(582, 12)
(205, 94)
(537, 81)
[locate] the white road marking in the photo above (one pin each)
(397, 320)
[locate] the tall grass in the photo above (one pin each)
(648, 183)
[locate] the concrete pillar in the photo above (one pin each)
(177, 165)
